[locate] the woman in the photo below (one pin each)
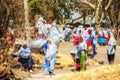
(111, 47)
(50, 50)
(25, 57)
(102, 37)
(89, 42)
(82, 49)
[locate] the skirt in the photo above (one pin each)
(26, 62)
(102, 40)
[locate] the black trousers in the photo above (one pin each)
(111, 57)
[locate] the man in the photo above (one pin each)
(50, 50)
(111, 47)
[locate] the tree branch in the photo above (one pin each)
(108, 5)
(77, 18)
(90, 4)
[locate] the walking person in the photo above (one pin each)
(82, 50)
(111, 47)
(89, 42)
(50, 50)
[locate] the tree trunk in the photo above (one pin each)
(27, 26)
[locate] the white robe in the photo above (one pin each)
(111, 44)
(51, 51)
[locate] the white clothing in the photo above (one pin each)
(24, 53)
(50, 51)
(111, 44)
(82, 46)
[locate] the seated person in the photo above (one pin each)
(25, 57)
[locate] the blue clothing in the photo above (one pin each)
(93, 45)
(89, 38)
(26, 62)
(48, 66)
(50, 57)
(102, 40)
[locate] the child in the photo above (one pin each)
(75, 59)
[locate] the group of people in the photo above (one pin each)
(48, 36)
(87, 39)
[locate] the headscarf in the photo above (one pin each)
(54, 25)
(112, 40)
(90, 31)
(24, 43)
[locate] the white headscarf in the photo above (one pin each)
(24, 43)
(112, 40)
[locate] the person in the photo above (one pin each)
(75, 59)
(82, 50)
(111, 47)
(89, 42)
(9, 37)
(54, 34)
(94, 45)
(50, 50)
(76, 39)
(102, 37)
(25, 57)
(39, 34)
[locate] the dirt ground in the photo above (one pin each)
(66, 63)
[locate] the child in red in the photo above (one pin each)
(75, 59)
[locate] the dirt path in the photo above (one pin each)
(64, 52)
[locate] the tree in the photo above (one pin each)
(9, 10)
(27, 26)
(103, 9)
(48, 8)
